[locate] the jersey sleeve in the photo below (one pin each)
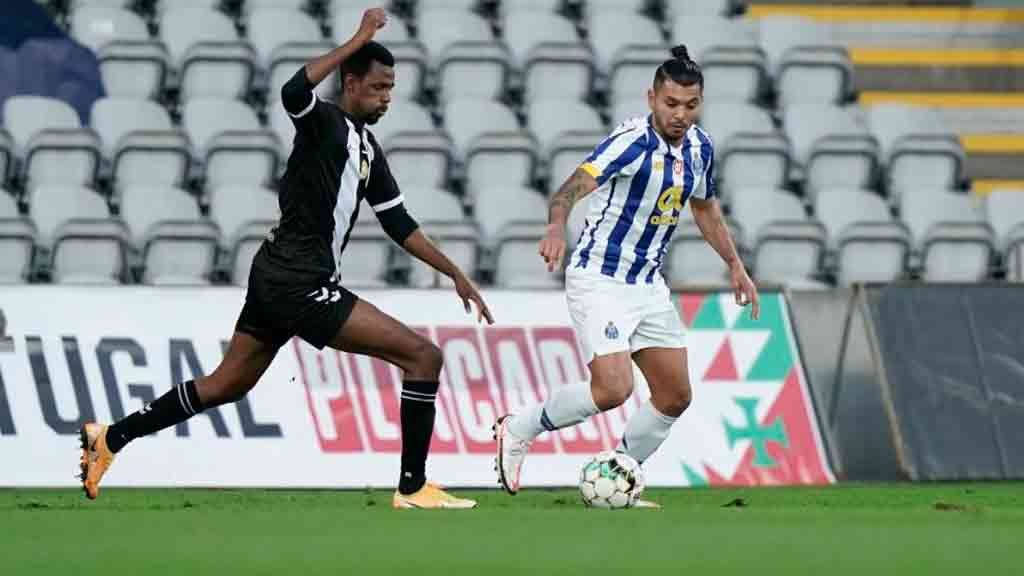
(705, 189)
(301, 102)
(386, 200)
(616, 155)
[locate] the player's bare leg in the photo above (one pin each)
(610, 385)
(667, 375)
(242, 366)
(370, 332)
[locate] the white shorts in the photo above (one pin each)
(611, 316)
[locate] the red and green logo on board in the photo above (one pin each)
(749, 389)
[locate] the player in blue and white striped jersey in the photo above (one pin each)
(636, 183)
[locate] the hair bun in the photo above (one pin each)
(680, 53)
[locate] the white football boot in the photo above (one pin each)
(511, 453)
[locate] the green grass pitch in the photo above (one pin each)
(862, 530)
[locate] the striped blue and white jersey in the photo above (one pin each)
(643, 184)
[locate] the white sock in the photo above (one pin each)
(569, 406)
(645, 431)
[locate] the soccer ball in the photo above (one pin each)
(611, 480)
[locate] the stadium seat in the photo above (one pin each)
(690, 260)
(253, 6)
(925, 162)
(498, 205)
(550, 119)
(284, 40)
(957, 252)
(870, 245)
(347, 17)
(568, 154)
(510, 158)
(464, 5)
(458, 241)
(48, 136)
(249, 239)
(8, 205)
(462, 120)
(1013, 256)
(90, 251)
(1005, 211)
(917, 148)
(140, 142)
(547, 49)
(402, 116)
(950, 233)
(442, 28)
(782, 33)
(417, 152)
(180, 253)
(142, 208)
(235, 149)
(95, 26)
(704, 7)
(749, 151)
(517, 264)
(7, 155)
(818, 75)
(233, 207)
(544, 5)
(703, 33)
(473, 69)
(729, 52)
(594, 6)
(788, 246)
(625, 109)
(614, 29)
(427, 204)
(204, 47)
(832, 145)
(17, 243)
(51, 206)
(134, 69)
(632, 72)
(368, 258)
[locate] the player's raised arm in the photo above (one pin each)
(297, 94)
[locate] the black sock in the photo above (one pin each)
(176, 406)
(417, 428)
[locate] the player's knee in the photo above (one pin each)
(677, 402)
(611, 391)
(427, 360)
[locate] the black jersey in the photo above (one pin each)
(335, 163)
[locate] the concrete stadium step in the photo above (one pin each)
(907, 27)
(945, 70)
(962, 112)
(994, 160)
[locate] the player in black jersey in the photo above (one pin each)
(294, 284)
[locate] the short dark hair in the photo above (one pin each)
(359, 63)
(680, 68)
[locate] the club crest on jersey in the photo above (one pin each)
(611, 332)
(697, 162)
(364, 170)
(659, 165)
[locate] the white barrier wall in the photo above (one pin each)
(327, 419)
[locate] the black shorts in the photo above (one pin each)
(278, 307)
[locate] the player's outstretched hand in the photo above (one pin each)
(552, 247)
(466, 290)
(745, 290)
(373, 19)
